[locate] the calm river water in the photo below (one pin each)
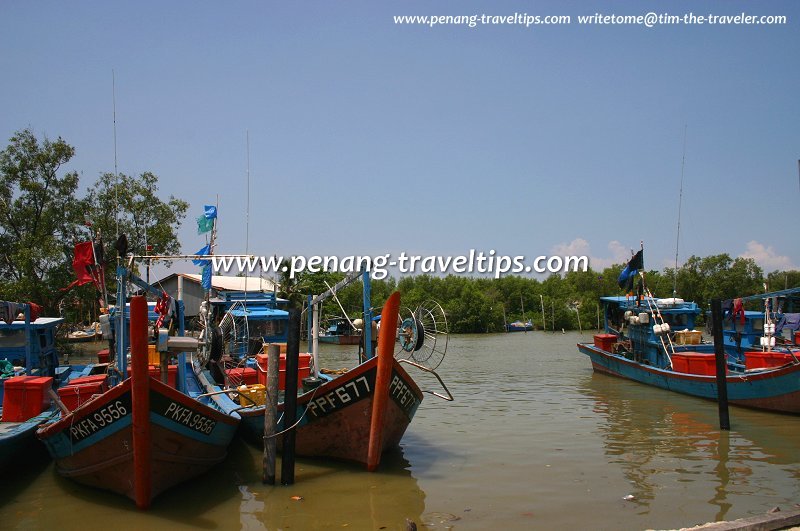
(534, 440)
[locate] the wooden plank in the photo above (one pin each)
(775, 519)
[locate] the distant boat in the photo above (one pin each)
(91, 333)
(519, 326)
(653, 341)
(340, 332)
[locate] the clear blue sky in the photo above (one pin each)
(368, 137)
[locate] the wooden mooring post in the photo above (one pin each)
(722, 367)
(271, 415)
(290, 397)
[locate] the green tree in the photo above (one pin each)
(40, 218)
(129, 205)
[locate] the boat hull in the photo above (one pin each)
(93, 444)
(774, 389)
(336, 418)
(341, 339)
(18, 439)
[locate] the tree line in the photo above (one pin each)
(484, 305)
(43, 216)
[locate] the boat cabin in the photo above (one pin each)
(631, 320)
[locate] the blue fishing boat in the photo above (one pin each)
(340, 332)
(519, 326)
(28, 373)
(653, 341)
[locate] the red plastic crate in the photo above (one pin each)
(14, 399)
(605, 341)
(155, 372)
(700, 363)
(103, 356)
(242, 376)
(766, 360)
(25, 397)
(102, 379)
(74, 395)
(303, 369)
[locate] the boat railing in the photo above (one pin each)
(448, 396)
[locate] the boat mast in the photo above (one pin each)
(680, 201)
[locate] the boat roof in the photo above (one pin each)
(260, 312)
(41, 322)
(787, 293)
(664, 305)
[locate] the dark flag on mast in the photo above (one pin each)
(636, 263)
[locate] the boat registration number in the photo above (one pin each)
(344, 395)
(402, 394)
(189, 418)
(100, 419)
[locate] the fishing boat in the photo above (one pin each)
(90, 333)
(28, 363)
(519, 326)
(351, 415)
(146, 433)
(340, 332)
(653, 341)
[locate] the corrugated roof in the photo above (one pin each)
(228, 283)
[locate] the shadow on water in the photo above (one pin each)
(230, 496)
(650, 433)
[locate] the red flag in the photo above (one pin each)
(83, 265)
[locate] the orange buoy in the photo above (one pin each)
(380, 397)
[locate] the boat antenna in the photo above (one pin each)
(116, 172)
(680, 201)
(247, 221)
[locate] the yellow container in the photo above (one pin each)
(688, 337)
(256, 393)
(153, 356)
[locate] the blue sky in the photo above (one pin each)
(368, 137)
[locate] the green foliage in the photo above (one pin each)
(39, 219)
(480, 305)
(131, 205)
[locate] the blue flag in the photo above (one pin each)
(202, 252)
(210, 211)
(206, 282)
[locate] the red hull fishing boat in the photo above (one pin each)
(352, 415)
(141, 436)
(365, 410)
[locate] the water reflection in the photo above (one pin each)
(660, 439)
(330, 495)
